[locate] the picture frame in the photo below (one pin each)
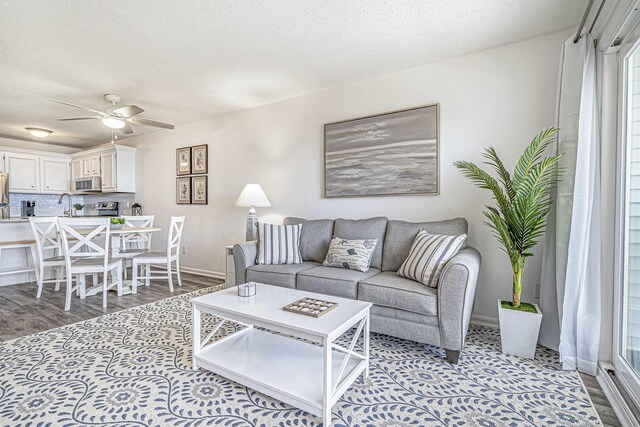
(183, 161)
(393, 153)
(200, 159)
(200, 190)
(183, 190)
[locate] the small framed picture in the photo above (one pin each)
(200, 159)
(183, 161)
(200, 190)
(183, 191)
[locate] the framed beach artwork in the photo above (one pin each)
(387, 154)
(183, 190)
(183, 161)
(199, 189)
(199, 159)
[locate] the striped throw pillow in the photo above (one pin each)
(279, 244)
(429, 253)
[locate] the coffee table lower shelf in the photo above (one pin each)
(284, 368)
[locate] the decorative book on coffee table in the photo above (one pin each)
(310, 307)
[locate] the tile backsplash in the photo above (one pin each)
(47, 204)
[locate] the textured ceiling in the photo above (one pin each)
(186, 60)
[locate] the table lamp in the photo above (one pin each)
(252, 196)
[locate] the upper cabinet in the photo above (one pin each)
(24, 172)
(114, 164)
(48, 173)
(54, 174)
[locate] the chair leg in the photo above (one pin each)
(147, 274)
(120, 275)
(178, 271)
(57, 272)
(67, 303)
(105, 288)
(134, 279)
(34, 263)
(169, 276)
(81, 283)
(40, 280)
(95, 279)
(81, 278)
(124, 270)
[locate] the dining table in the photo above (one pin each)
(116, 234)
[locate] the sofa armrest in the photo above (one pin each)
(456, 294)
(244, 256)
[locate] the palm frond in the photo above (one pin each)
(503, 175)
(484, 180)
(532, 155)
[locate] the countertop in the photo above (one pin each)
(26, 219)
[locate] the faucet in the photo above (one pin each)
(67, 212)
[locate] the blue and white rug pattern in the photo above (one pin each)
(133, 368)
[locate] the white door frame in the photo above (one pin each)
(625, 372)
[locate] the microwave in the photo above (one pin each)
(90, 183)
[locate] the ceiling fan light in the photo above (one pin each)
(39, 132)
(113, 122)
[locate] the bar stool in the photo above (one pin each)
(30, 251)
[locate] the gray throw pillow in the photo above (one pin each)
(279, 244)
(350, 254)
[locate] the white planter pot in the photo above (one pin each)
(519, 331)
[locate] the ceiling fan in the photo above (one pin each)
(119, 118)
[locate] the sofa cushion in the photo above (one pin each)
(390, 290)
(333, 281)
(315, 237)
(401, 234)
(350, 254)
(371, 228)
(279, 275)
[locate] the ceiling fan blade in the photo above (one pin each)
(127, 129)
(128, 110)
(79, 118)
(77, 106)
(147, 122)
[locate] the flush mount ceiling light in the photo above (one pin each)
(39, 133)
(113, 122)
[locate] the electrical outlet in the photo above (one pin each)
(537, 289)
(184, 249)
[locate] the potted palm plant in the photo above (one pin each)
(523, 200)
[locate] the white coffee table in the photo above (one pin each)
(304, 375)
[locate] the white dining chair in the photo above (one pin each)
(86, 253)
(136, 243)
(172, 255)
(48, 250)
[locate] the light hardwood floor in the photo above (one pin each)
(22, 314)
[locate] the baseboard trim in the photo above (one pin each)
(618, 403)
(197, 271)
(491, 322)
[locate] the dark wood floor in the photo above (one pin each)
(22, 314)
(600, 401)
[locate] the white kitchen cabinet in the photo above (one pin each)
(91, 165)
(54, 173)
(118, 170)
(109, 171)
(76, 170)
(24, 172)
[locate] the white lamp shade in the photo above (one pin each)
(253, 195)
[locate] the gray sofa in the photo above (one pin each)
(401, 307)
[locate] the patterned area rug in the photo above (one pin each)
(132, 368)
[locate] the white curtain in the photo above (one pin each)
(570, 287)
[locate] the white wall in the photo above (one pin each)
(500, 97)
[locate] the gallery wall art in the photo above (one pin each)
(387, 154)
(192, 165)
